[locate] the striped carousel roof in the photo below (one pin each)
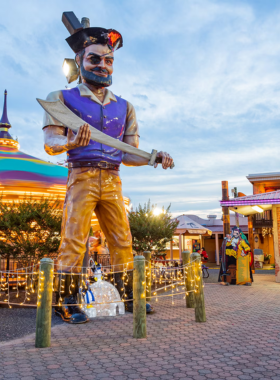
(18, 166)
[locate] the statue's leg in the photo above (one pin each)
(66, 299)
(82, 195)
(113, 221)
(81, 198)
(111, 214)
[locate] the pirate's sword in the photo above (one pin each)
(64, 115)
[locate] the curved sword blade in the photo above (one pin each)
(64, 115)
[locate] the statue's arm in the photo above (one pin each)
(130, 159)
(55, 141)
(57, 138)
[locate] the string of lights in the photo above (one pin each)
(33, 278)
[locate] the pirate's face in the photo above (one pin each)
(97, 65)
(99, 59)
(235, 234)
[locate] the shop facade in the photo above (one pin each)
(263, 212)
(189, 235)
(212, 241)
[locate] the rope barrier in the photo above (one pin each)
(101, 303)
(72, 304)
(172, 295)
(24, 269)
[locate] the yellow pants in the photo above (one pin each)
(242, 269)
(88, 190)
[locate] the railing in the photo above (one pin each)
(259, 223)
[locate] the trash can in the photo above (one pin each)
(258, 258)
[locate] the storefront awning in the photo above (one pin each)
(253, 204)
(188, 227)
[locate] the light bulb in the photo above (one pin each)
(65, 68)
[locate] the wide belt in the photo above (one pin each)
(85, 164)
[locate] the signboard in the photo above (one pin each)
(196, 246)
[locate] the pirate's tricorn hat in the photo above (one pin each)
(82, 35)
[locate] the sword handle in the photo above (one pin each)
(158, 160)
(153, 158)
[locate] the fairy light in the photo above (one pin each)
(8, 289)
(124, 295)
(31, 285)
(59, 286)
(1, 285)
(71, 285)
(40, 286)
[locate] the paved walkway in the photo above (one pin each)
(240, 340)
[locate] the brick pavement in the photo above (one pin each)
(239, 341)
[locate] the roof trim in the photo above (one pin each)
(272, 197)
(263, 176)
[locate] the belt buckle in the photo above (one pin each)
(103, 165)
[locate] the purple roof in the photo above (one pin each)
(272, 197)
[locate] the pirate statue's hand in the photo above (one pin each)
(165, 159)
(82, 138)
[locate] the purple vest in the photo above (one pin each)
(109, 119)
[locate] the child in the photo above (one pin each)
(204, 255)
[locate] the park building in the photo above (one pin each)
(263, 211)
(194, 232)
(259, 220)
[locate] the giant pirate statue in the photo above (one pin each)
(93, 181)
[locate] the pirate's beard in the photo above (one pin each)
(94, 79)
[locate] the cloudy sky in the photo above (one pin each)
(203, 75)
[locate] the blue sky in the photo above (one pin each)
(204, 77)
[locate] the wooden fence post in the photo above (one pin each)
(188, 272)
(200, 315)
(147, 255)
(139, 298)
(44, 304)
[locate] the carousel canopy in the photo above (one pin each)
(187, 226)
(16, 167)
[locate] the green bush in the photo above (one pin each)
(151, 232)
(29, 229)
